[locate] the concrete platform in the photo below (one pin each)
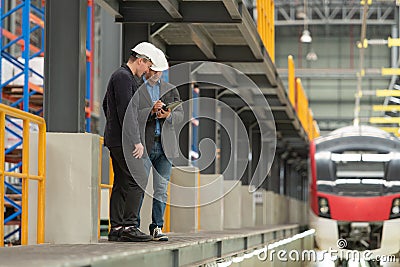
(182, 249)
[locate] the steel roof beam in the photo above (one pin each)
(230, 79)
(202, 40)
(223, 53)
(172, 7)
(250, 34)
(335, 22)
(189, 11)
(334, 14)
(333, 73)
(111, 6)
(232, 7)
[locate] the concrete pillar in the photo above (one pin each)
(261, 207)
(184, 199)
(211, 202)
(294, 210)
(283, 209)
(270, 207)
(232, 204)
(71, 188)
(280, 209)
(276, 212)
(248, 208)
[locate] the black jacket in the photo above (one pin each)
(121, 87)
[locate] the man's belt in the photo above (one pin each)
(157, 138)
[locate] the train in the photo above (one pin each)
(355, 190)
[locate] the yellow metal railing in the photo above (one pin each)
(266, 25)
(104, 186)
(390, 71)
(301, 104)
(291, 82)
(389, 108)
(384, 120)
(299, 101)
(387, 92)
(27, 118)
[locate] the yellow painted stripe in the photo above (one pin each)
(386, 107)
(385, 92)
(393, 42)
(390, 71)
(384, 120)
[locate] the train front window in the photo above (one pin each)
(360, 178)
(353, 173)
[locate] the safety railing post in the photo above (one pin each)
(27, 118)
(25, 182)
(41, 183)
(104, 186)
(291, 81)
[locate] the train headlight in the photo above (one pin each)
(323, 206)
(395, 211)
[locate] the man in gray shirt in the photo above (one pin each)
(160, 138)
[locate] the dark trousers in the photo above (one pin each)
(128, 189)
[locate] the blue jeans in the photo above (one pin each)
(161, 173)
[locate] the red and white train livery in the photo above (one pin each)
(355, 190)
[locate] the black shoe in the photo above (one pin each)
(158, 235)
(133, 234)
(115, 234)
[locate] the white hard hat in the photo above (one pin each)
(160, 62)
(145, 50)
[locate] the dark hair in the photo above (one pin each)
(134, 56)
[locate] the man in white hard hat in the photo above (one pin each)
(126, 193)
(160, 138)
